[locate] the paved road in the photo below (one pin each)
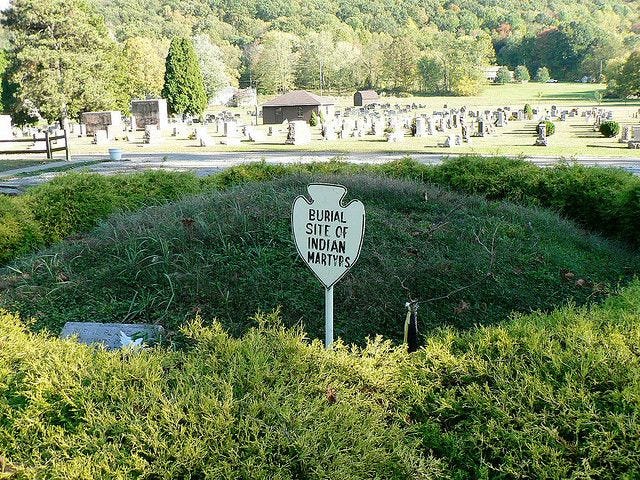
(208, 163)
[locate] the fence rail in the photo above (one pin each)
(48, 141)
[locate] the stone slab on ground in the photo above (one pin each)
(108, 334)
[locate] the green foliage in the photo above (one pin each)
(64, 61)
(77, 202)
(452, 63)
(19, 233)
(601, 199)
(183, 84)
(72, 203)
(610, 129)
(503, 76)
(145, 60)
(314, 120)
(521, 74)
(528, 111)
(273, 61)
(540, 396)
(266, 406)
(550, 127)
(216, 74)
(222, 253)
(629, 78)
(542, 75)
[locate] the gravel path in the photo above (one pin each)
(13, 181)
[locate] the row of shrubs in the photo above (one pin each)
(604, 200)
(538, 397)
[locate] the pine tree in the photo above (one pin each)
(183, 84)
(62, 59)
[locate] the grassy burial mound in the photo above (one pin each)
(227, 255)
(540, 396)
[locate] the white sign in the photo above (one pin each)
(328, 237)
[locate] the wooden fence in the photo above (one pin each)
(48, 141)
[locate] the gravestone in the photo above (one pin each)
(299, 133)
(377, 127)
(6, 132)
(231, 134)
(152, 135)
(114, 132)
(541, 141)
(82, 130)
(254, 134)
(109, 334)
(100, 137)
(150, 112)
(480, 131)
(180, 130)
(328, 131)
(396, 135)
(95, 121)
(420, 127)
(626, 134)
(501, 120)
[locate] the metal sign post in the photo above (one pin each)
(328, 237)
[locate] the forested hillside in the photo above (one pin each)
(430, 46)
(373, 42)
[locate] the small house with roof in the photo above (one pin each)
(363, 98)
(295, 105)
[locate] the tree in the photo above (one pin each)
(542, 75)
(214, 71)
(401, 63)
(521, 74)
(452, 63)
(62, 59)
(503, 75)
(629, 78)
(273, 62)
(183, 84)
(145, 58)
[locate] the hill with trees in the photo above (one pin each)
(437, 46)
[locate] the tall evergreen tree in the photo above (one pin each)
(63, 60)
(183, 84)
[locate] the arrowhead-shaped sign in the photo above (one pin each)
(328, 235)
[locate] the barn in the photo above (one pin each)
(295, 105)
(365, 97)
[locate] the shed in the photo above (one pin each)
(295, 105)
(365, 97)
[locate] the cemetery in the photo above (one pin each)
(335, 240)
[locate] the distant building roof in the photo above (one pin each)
(297, 98)
(368, 94)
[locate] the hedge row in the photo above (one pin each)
(603, 200)
(538, 397)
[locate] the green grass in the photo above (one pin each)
(541, 396)
(6, 165)
(230, 254)
(573, 138)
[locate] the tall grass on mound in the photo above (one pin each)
(542, 396)
(602, 200)
(229, 254)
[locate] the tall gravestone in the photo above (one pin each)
(150, 112)
(6, 132)
(95, 121)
